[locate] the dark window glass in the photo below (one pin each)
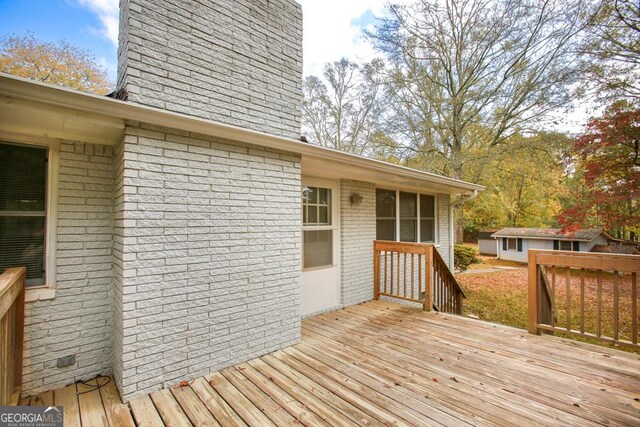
(408, 217)
(23, 193)
(427, 218)
(385, 214)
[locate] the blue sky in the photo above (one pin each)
(53, 20)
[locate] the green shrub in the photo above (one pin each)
(463, 257)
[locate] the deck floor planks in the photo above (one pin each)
(271, 409)
(68, 399)
(145, 413)
(491, 374)
(252, 414)
(171, 413)
(224, 413)
(381, 362)
(193, 407)
(117, 412)
(92, 411)
(438, 385)
(281, 397)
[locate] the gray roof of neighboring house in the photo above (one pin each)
(585, 235)
(616, 249)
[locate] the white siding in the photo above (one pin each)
(487, 246)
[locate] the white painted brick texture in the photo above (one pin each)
(358, 229)
(79, 320)
(234, 61)
(209, 255)
(444, 228)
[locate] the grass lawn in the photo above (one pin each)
(502, 297)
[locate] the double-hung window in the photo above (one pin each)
(405, 217)
(317, 225)
(23, 209)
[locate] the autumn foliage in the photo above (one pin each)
(607, 161)
(59, 64)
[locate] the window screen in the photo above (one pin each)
(23, 183)
(408, 217)
(385, 214)
(427, 218)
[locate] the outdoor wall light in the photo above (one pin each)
(355, 199)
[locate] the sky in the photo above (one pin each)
(332, 30)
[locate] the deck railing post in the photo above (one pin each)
(428, 278)
(534, 283)
(376, 272)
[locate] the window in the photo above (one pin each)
(415, 214)
(512, 244)
(408, 217)
(23, 201)
(385, 215)
(427, 218)
(317, 227)
(566, 245)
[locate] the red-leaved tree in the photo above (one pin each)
(607, 158)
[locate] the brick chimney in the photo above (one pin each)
(234, 61)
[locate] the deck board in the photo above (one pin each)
(385, 363)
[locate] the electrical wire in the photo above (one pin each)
(96, 386)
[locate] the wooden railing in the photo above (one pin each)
(415, 272)
(12, 286)
(592, 295)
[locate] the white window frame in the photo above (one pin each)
(436, 235)
(515, 239)
(334, 226)
(46, 291)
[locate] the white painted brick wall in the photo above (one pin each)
(79, 320)
(234, 61)
(444, 228)
(209, 256)
(358, 228)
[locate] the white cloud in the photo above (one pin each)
(329, 28)
(330, 32)
(108, 13)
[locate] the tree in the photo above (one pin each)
(343, 113)
(607, 159)
(456, 64)
(612, 50)
(525, 184)
(60, 64)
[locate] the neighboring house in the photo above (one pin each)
(624, 249)
(513, 243)
(190, 229)
(486, 243)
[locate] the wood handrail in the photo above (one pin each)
(415, 272)
(449, 274)
(12, 290)
(563, 302)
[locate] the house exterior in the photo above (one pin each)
(189, 229)
(486, 243)
(512, 244)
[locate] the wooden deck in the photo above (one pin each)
(383, 363)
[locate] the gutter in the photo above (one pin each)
(465, 199)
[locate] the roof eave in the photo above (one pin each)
(19, 88)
